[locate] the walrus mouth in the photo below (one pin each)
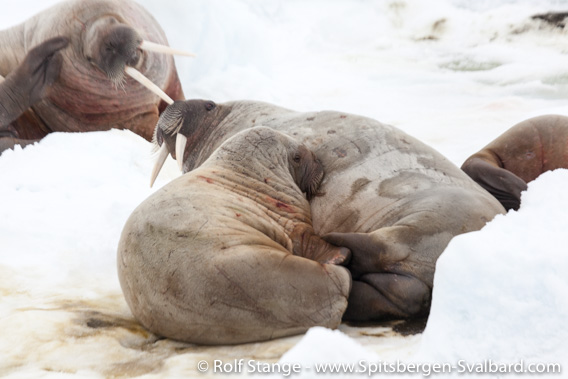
(173, 118)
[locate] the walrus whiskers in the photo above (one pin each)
(172, 118)
(156, 47)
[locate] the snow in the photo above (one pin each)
(454, 74)
(516, 304)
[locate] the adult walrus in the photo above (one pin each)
(106, 38)
(520, 155)
(392, 200)
(218, 256)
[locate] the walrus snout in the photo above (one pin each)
(117, 46)
(121, 48)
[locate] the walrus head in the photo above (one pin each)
(304, 166)
(183, 123)
(117, 49)
(261, 146)
(111, 46)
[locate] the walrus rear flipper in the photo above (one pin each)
(502, 184)
(377, 292)
(387, 296)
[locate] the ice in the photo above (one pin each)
(454, 74)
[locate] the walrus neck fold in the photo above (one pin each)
(203, 139)
(270, 179)
(280, 200)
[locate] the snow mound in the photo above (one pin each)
(321, 346)
(501, 293)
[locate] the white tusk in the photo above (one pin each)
(137, 75)
(156, 47)
(181, 141)
(163, 154)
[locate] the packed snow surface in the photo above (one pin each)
(453, 73)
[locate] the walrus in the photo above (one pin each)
(519, 156)
(226, 254)
(27, 85)
(107, 39)
(393, 201)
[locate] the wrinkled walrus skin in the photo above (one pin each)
(518, 156)
(392, 200)
(226, 254)
(90, 92)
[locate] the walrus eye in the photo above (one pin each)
(297, 158)
(210, 105)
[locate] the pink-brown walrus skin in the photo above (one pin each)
(519, 156)
(227, 253)
(91, 91)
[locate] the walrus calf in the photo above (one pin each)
(518, 156)
(90, 89)
(218, 256)
(393, 201)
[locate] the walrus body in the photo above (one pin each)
(393, 201)
(520, 155)
(218, 256)
(91, 92)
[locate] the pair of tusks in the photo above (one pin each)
(137, 75)
(181, 140)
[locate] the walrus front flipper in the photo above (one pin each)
(502, 184)
(310, 246)
(26, 86)
(370, 252)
